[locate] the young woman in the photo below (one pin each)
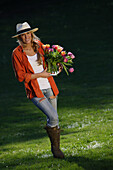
(29, 67)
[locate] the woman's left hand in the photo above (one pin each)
(60, 67)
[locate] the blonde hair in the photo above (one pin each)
(34, 45)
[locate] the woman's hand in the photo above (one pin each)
(60, 67)
(43, 74)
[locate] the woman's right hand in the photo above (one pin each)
(43, 74)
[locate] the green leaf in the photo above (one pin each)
(65, 68)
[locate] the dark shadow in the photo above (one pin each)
(79, 162)
(90, 164)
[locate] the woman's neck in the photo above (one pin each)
(27, 47)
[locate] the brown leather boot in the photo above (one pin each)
(54, 135)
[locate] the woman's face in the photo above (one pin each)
(26, 38)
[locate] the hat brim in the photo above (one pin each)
(32, 30)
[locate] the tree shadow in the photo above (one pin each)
(19, 123)
(76, 162)
(90, 164)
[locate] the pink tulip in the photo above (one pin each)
(72, 56)
(69, 53)
(71, 70)
(65, 60)
(52, 49)
(55, 46)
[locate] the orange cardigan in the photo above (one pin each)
(23, 71)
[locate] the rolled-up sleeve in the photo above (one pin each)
(19, 69)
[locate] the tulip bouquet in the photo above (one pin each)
(55, 56)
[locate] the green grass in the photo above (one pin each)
(85, 102)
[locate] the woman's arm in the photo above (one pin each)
(43, 74)
(20, 70)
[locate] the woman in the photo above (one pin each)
(29, 66)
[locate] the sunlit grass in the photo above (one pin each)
(86, 137)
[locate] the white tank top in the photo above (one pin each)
(43, 82)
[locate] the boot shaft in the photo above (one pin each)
(54, 135)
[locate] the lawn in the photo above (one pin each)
(85, 102)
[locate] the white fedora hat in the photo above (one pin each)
(23, 28)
